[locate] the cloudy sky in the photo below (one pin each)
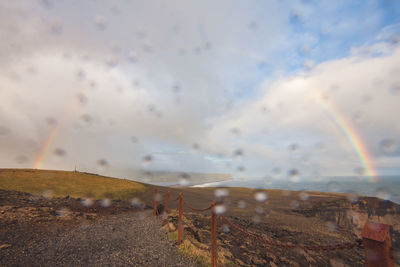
(251, 88)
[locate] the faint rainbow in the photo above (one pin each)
(49, 140)
(355, 139)
(45, 147)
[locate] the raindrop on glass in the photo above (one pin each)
(184, 179)
(276, 172)
(134, 139)
(87, 202)
(242, 204)
(383, 193)
(388, 146)
(59, 152)
(48, 194)
(51, 121)
(241, 169)
(293, 147)
(352, 196)
(137, 203)
(86, 118)
(146, 161)
(304, 196)
(221, 192)
(4, 130)
(82, 99)
(294, 204)
(100, 23)
(334, 187)
(219, 209)
(259, 210)
(238, 153)
(105, 203)
(294, 176)
(21, 159)
(261, 196)
(332, 227)
(112, 61)
(256, 219)
(63, 212)
(226, 228)
(132, 57)
(359, 171)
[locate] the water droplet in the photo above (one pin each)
(294, 175)
(48, 194)
(21, 159)
(332, 227)
(59, 152)
(102, 162)
(294, 204)
(235, 131)
(286, 193)
(112, 61)
(221, 192)
(132, 56)
(82, 99)
(359, 171)
(293, 147)
(226, 228)
(241, 169)
(238, 153)
(105, 203)
(219, 209)
(395, 89)
(304, 196)
(261, 196)
(100, 23)
(276, 172)
(259, 210)
(51, 121)
(242, 204)
(4, 130)
(383, 193)
(137, 203)
(56, 27)
(267, 180)
(87, 202)
(146, 161)
(63, 212)
(134, 139)
(388, 146)
(86, 118)
(334, 186)
(352, 196)
(185, 179)
(256, 219)
(158, 197)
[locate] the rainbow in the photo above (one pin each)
(45, 147)
(354, 138)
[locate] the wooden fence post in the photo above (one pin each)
(165, 209)
(213, 236)
(377, 245)
(155, 202)
(180, 219)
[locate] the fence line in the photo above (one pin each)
(375, 237)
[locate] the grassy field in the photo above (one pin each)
(63, 183)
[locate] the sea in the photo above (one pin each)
(386, 188)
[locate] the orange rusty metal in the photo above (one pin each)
(155, 202)
(377, 245)
(213, 236)
(165, 208)
(180, 219)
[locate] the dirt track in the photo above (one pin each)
(38, 236)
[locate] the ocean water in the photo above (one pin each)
(387, 188)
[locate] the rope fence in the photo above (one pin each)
(375, 236)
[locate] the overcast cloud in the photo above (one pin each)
(226, 86)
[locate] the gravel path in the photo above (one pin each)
(128, 239)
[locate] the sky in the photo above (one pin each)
(250, 88)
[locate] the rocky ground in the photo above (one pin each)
(35, 231)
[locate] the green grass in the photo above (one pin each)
(63, 183)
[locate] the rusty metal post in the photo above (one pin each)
(213, 236)
(180, 219)
(155, 202)
(377, 245)
(165, 208)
